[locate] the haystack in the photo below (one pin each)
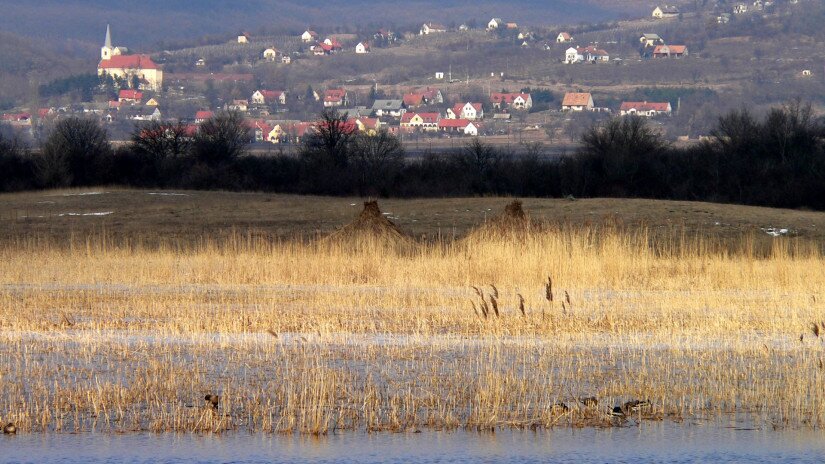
(513, 221)
(371, 227)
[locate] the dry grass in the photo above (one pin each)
(316, 337)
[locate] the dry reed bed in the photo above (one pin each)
(314, 338)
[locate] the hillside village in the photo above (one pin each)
(529, 87)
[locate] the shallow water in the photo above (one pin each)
(659, 442)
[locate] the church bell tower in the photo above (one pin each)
(106, 50)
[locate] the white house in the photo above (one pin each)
(458, 126)
(271, 54)
(494, 24)
(469, 111)
(740, 8)
(362, 48)
(309, 36)
(432, 28)
(243, 38)
(648, 109)
(577, 102)
(564, 37)
(571, 55)
(264, 97)
(651, 40)
(665, 11)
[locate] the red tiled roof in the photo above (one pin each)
(334, 95)
(204, 114)
(369, 123)
(413, 99)
(128, 62)
(673, 49)
(576, 99)
(130, 94)
(507, 98)
(449, 123)
(16, 117)
(645, 106)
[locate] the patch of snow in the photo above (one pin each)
(82, 194)
(102, 213)
(774, 232)
(168, 194)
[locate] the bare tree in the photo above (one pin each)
(377, 159)
(74, 154)
(159, 140)
(221, 138)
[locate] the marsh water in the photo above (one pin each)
(645, 443)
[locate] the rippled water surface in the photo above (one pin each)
(648, 443)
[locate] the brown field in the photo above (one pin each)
(366, 329)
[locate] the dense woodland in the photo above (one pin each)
(778, 160)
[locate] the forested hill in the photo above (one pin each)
(151, 21)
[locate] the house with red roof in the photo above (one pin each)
(130, 96)
(369, 126)
(335, 97)
(516, 101)
(670, 51)
(427, 122)
(203, 115)
(17, 119)
(309, 36)
(577, 101)
(458, 126)
(648, 109)
(470, 111)
(321, 49)
(362, 48)
(269, 97)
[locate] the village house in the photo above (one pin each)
(238, 105)
(362, 48)
(589, 54)
(494, 24)
(647, 109)
(368, 126)
(334, 43)
(512, 26)
(432, 28)
(427, 122)
(322, 49)
(665, 11)
(243, 38)
(335, 98)
(577, 102)
(286, 59)
(469, 111)
(564, 37)
(309, 36)
(651, 40)
(146, 114)
(152, 102)
(517, 101)
(17, 119)
(268, 97)
(670, 51)
(458, 126)
(723, 18)
(129, 68)
(392, 108)
(271, 54)
(740, 8)
(203, 115)
(130, 96)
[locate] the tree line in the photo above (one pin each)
(776, 160)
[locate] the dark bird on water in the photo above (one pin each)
(212, 400)
(560, 407)
(10, 429)
(635, 405)
(617, 412)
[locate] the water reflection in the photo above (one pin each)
(653, 442)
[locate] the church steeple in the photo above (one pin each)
(106, 50)
(108, 42)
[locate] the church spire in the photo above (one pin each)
(108, 42)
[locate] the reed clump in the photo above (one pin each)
(350, 334)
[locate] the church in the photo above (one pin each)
(116, 62)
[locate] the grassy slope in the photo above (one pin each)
(137, 214)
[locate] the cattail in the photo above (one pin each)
(494, 303)
(548, 289)
(272, 332)
(475, 310)
(484, 308)
(495, 290)
(478, 292)
(815, 329)
(567, 297)
(521, 305)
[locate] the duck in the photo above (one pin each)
(10, 429)
(212, 400)
(635, 405)
(560, 408)
(617, 412)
